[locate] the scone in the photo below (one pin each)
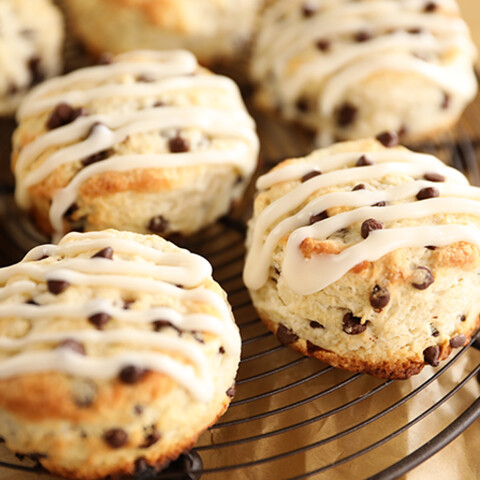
(367, 257)
(148, 143)
(31, 38)
(352, 69)
(116, 351)
(213, 30)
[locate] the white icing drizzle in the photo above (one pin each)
(284, 217)
(289, 63)
(175, 72)
(142, 268)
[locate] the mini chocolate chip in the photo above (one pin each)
(63, 114)
(435, 332)
(158, 224)
(159, 324)
(323, 44)
(312, 348)
(431, 247)
(221, 351)
(434, 177)
(70, 210)
(431, 355)
(380, 204)
(422, 278)
(360, 186)
(352, 325)
(379, 297)
(131, 374)
(446, 101)
(314, 324)
(151, 439)
(309, 175)
(159, 103)
(363, 36)
(231, 391)
(463, 318)
(106, 252)
(308, 9)
(369, 225)
(415, 30)
(388, 139)
(36, 73)
(57, 286)
(427, 192)
(145, 78)
(99, 320)
(96, 157)
(346, 115)
(430, 7)
(71, 344)
(458, 341)
(137, 409)
(285, 335)
(128, 303)
(32, 302)
(116, 437)
(318, 217)
(302, 105)
(178, 144)
(364, 161)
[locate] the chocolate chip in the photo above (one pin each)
(379, 297)
(159, 103)
(380, 204)
(63, 114)
(159, 324)
(36, 73)
(435, 332)
(446, 101)
(137, 409)
(363, 36)
(145, 78)
(309, 175)
(32, 302)
(158, 224)
(99, 320)
(360, 186)
(431, 355)
(430, 7)
(96, 157)
(71, 344)
(128, 303)
(285, 335)
(57, 286)
(458, 341)
(302, 105)
(431, 247)
(70, 210)
(231, 391)
(434, 177)
(318, 217)
(364, 161)
(352, 325)
(314, 324)
(152, 438)
(106, 252)
(178, 144)
(308, 9)
(116, 437)
(370, 225)
(323, 44)
(131, 374)
(346, 115)
(221, 351)
(312, 348)
(463, 318)
(415, 30)
(427, 192)
(388, 139)
(422, 278)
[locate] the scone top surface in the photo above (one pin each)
(149, 142)
(30, 48)
(350, 69)
(111, 334)
(377, 246)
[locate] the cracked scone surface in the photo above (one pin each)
(148, 143)
(31, 38)
(213, 30)
(351, 69)
(116, 351)
(367, 257)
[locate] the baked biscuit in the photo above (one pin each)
(116, 351)
(213, 30)
(31, 37)
(367, 257)
(352, 69)
(148, 143)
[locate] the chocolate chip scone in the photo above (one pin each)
(350, 69)
(149, 143)
(116, 351)
(213, 30)
(367, 257)
(31, 37)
